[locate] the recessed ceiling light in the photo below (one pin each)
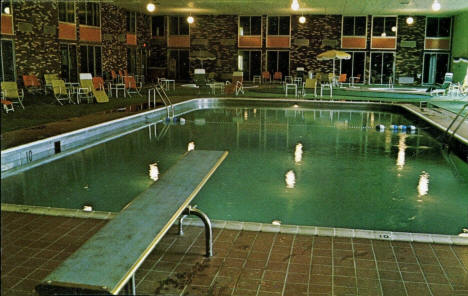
(190, 20)
(409, 20)
(295, 5)
(394, 29)
(150, 7)
(436, 5)
(302, 19)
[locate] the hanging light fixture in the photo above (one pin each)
(151, 7)
(190, 19)
(409, 20)
(295, 5)
(436, 5)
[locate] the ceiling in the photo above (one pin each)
(283, 7)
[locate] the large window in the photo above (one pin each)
(66, 11)
(384, 26)
(91, 60)
(7, 71)
(131, 22)
(90, 13)
(279, 25)
(250, 62)
(381, 67)
(354, 67)
(68, 62)
(354, 25)
(435, 66)
(438, 27)
(157, 26)
(278, 61)
(178, 25)
(250, 25)
(131, 60)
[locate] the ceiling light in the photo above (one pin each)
(6, 10)
(302, 19)
(409, 20)
(190, 20)
(436, 5)
(394, 29)
(295, 5)
(151, 7)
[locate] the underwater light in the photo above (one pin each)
(290, 179)
(154, 171)
(87, 208)
(191, 146)
(298, 153)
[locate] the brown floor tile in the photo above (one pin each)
(297, 278)
(393, 287)
(417, 289)
(413, 277)
(243, 292)
(435, 278)
(299, 268)
(389, 275)
(320, 279)
(271, 275)
(271, 286)
(340, 290)
(295, 289)
(344, 271)
(345, 281)
(438, 289)
(277, 266)
(313, 288)
(321, 269)
(322, 260)
(248, 284)
(367, 273)
(233, 262)
(251, 274)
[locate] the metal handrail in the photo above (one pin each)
(457, 127)
(453, 122)
(164, 97)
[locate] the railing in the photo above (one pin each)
(459, 114)
(159, 90)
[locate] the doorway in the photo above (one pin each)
(434, 67)
(382, 67)
(250, 62)
(178, 64)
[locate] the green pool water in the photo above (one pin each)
(349, 175)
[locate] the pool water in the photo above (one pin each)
(348, 175)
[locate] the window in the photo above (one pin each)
(68, 62)
(91, 60)
(435, 66)
(250, 62)
(131, 60)
(381, 67)
(6, 7)
(438, 27)
(354, 25)
(250, 25)
(89, 13)
(384, 26)
(354, 67)
(157, 26)
(178, 25)
(66, 11)
(131, 22)
(7, 71)
(278, 25)
(278, 61)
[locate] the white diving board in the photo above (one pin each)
(109, 259)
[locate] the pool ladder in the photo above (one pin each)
(445, 138)
(159, 90)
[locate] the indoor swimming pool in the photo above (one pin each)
(288, 164)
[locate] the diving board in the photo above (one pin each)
(109, 260)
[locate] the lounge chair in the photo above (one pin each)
(98, 83)
(442, 89)
(7, 105)
(48, 78)
(342, 79)
(236, 86)
(11, 93)
(61, 92)
(278, 76)
(310, 83)
(131, 87)
(87, 90)
(32, 84)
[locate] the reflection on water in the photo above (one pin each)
(191, 146)
(350, 174)
(154, 172)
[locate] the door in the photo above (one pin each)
(354, 67)
(434, 67)
(8, 67)
(250, 62)
(178, 64)
(278, 61)
(382, 67)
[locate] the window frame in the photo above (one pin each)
(180, 19)
(279, 21)
(164, 26)
(385, 17)
(250, 22)
(354, 25)
(84, 5)
(438, 27)
(94, 58)
(67, 3)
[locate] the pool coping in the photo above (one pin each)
(263, 227)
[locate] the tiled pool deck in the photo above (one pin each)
(245, 262)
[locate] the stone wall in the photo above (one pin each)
(409, 60)
(316, 29)
(216, 34)
(114, 30)
(36, 52)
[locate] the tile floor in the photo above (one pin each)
(245, 262)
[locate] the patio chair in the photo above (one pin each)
(7, 105)
(342, 79)
(48, 78)
(88, 92)
(442, 89)
(98, 83)
(278, 76)
(309, 84)
(12, 93)
(236, 86)
(266, 76)
(131, 87)
(32, 84)
(61, 92)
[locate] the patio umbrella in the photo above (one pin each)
(333, 55)
(202, 55)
